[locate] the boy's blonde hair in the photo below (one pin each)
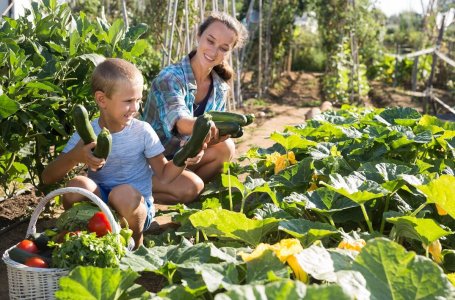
(112, 70)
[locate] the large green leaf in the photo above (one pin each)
(441, 191)
(307, 231)
(405, 116)
(228, 224)
(231, 181)
(142, 260)
(291, 141)
(264, 267)
(323, 264)
(87, 283)
(295, 176)
(424, 230)
(391, 272)
(354, 188)
(218, 275)
(7, 106)
(327, 201)
(283, 290)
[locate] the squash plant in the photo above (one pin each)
(46, 58)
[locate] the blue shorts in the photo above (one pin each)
(148, 205)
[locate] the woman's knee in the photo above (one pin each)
(192, 190)
(223, 151)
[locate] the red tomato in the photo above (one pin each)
(36, 262)
(28, 246)
(99, 224)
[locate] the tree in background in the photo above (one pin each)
(350, 33)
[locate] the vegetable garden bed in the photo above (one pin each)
(352, 204)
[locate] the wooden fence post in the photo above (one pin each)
(433, 67)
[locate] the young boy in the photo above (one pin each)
(124, 179)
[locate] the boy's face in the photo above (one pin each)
(123, 105)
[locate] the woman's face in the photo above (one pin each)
(215, 44)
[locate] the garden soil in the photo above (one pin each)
(290, 101)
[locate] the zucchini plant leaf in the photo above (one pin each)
(307, 231)
(441, 191)
(100, 283)
(326, 201)
(258, 269)
(391, 272)
(424, 230)
(283, 290)
(291, 141)
(352, 187)
(232, 225)
(405, 116)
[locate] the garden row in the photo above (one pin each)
(354, 204)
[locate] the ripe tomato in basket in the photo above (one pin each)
(36, 262)
(28, 245)
(99, 224)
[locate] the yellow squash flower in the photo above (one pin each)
(354, 245)
(451, 277)
(299, 273)
(258, 252)
(440, 210)
(435, 250)
(285, 250)
(283, 161)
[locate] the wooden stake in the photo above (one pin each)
(172, 32)
(260, 51)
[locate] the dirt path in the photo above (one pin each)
(258, 133)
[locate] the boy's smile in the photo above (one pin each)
(118, 110)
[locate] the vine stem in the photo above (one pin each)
(419, 209)
(367, 219)
(230, 189)
(386, 208)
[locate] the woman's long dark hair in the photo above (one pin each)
(224, 70)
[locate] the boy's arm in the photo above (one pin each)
(65, 162)
(166, 171)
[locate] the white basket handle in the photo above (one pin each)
(95, 199)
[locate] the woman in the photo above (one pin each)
(187, 89)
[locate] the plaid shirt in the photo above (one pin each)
(172, 96)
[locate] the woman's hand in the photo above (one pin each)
(214, 137)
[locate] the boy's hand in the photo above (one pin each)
(195, 160)
(87, 157)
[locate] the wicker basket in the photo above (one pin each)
(39, 283)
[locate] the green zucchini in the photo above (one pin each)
(193, 146)
(225, 128)
(20, 256)
(238, 133)
(249, 119)
(227, 116)
(103, 144)
(82, 124)
(40, 240)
